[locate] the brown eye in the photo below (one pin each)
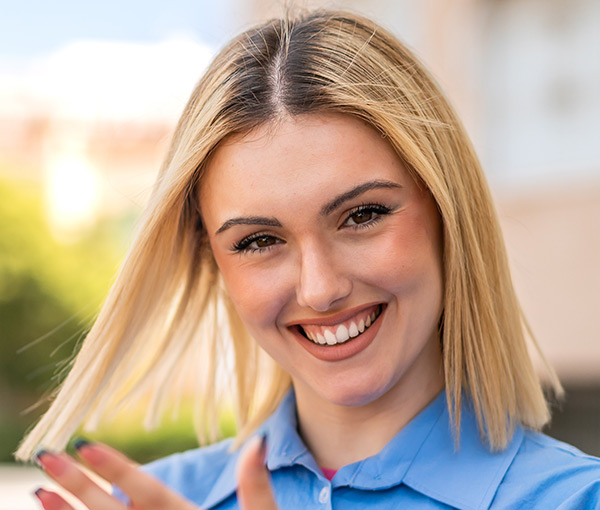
(256, 243)
(366, 215)
(264, 241)
(361, 217)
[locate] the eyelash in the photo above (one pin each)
(244, 245)
(379, 209)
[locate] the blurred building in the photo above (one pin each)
(92, 122)
(523, 74)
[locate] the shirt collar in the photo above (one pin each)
(226, 483)
(466, 477)
(389, 467)
(422, 456)
(284, 445)
(284, 448)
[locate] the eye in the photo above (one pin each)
(256, 243)
(365, 215)
(362, 216)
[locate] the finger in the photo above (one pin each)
(143, 490)
(65, 472)
(254, 484)
(86, 451)
(51, 501)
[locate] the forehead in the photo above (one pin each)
(321, 150)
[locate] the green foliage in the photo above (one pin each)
(49, 295)
(127, 434)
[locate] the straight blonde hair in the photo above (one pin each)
(168, 308)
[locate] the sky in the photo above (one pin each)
(127, 59)
(31, 28)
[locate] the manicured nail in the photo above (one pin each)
(38, 454)
(49, 500)
(89, 451)
(80, 442)
(51, 463)
(263, 444)
(40, 494)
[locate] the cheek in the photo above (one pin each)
(407, 260)
(257, 294)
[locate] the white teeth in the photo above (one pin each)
(342, 334)
(330, 337)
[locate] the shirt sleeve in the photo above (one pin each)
(587, 497)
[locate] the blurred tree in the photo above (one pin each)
(49, 295)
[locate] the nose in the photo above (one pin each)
(323, 281)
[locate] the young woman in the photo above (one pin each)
(321, 195)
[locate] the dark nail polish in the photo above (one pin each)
(51, 462)
(80, 442)
(263, 443)
(38, 454)
(38, 493)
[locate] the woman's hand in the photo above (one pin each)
(144, 491)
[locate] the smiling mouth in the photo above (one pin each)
(341, 333)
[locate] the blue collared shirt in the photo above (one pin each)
(418, 469)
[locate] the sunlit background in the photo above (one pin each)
(90, 93)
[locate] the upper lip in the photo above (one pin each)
(331, 320)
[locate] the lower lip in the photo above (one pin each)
(343, 351)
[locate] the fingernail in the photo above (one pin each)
(80, 442)
(263, 444)
(39, 494)
(51, 463)
(88, 451)
(38, 454)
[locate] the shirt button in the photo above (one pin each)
(324, 495)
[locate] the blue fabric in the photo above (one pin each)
(418, 469)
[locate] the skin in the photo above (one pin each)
(145, 493)
(321, 257)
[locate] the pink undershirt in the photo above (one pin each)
(329, 473)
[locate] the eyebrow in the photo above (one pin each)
(325, 210)
(249, 220)
(355, 192)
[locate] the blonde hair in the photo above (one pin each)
(169, 289)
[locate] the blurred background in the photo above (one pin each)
(90, 93)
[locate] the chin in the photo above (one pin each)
(354, 395)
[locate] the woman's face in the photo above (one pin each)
(331, 254)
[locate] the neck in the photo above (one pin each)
(339, 435)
